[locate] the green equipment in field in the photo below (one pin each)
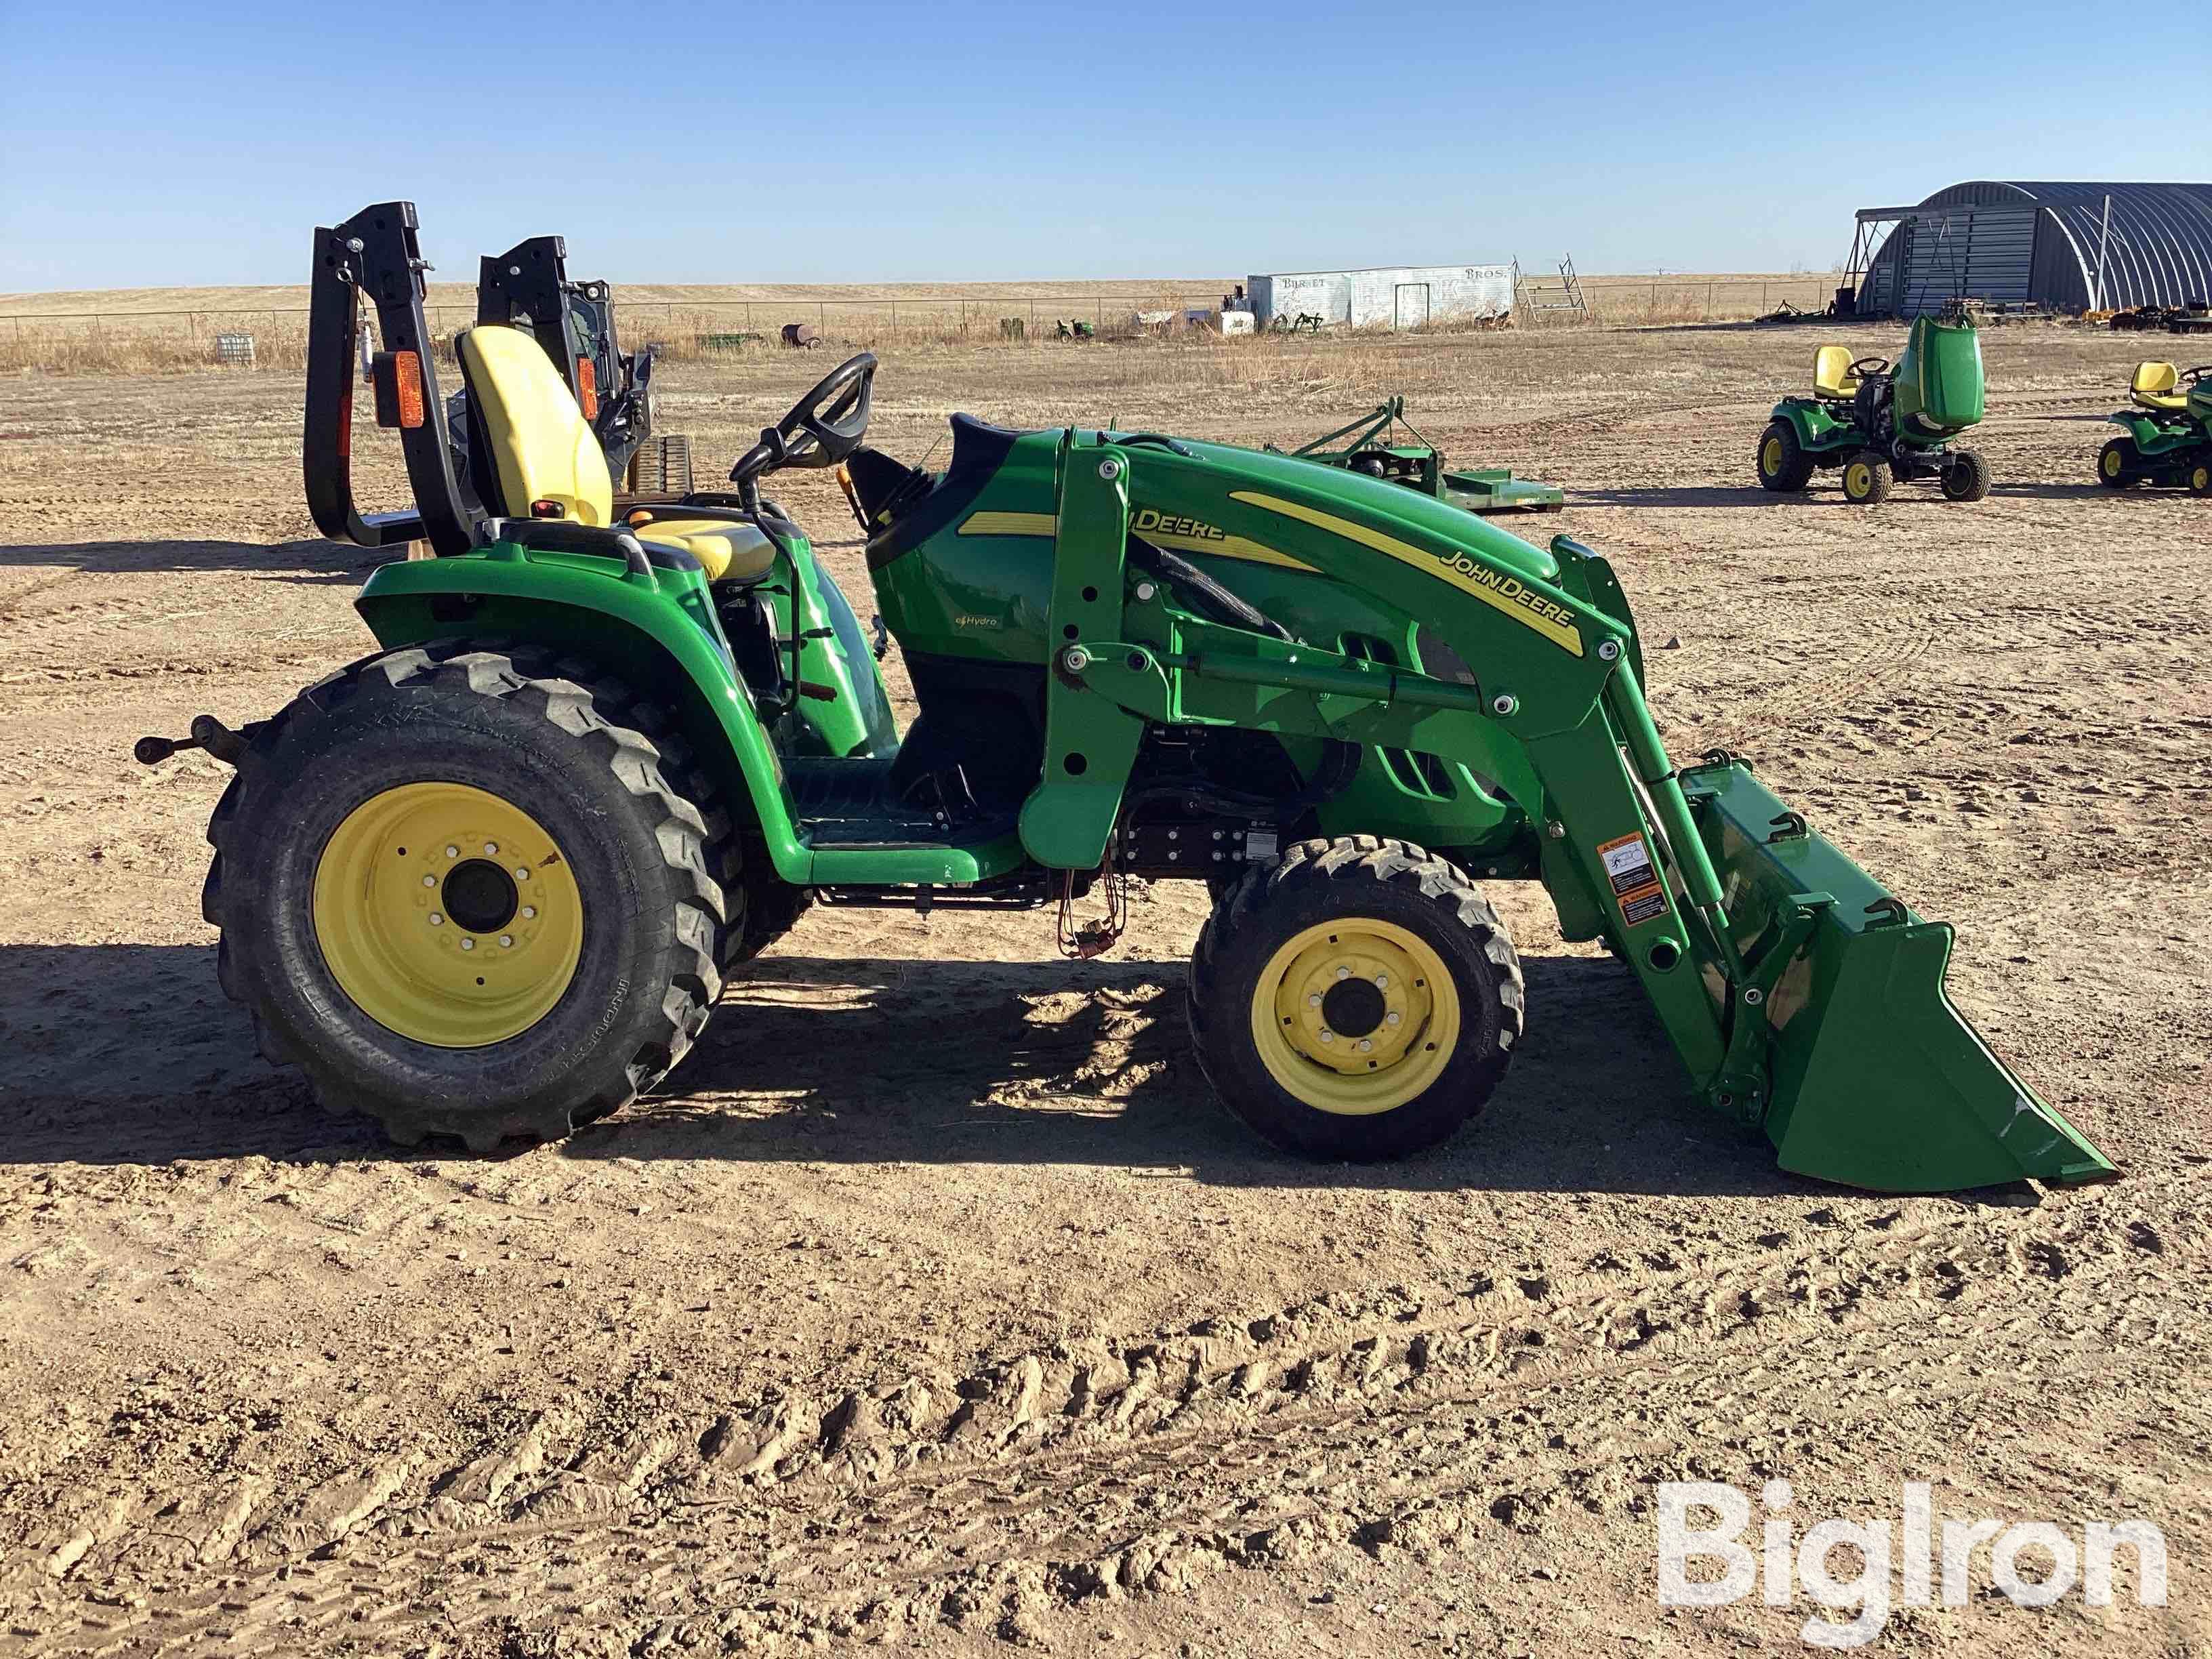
(487, 881)
(2168, 439)
(1370, 444)
(1884, 425)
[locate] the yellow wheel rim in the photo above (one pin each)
(2200, 478)
(448, 915)
(2111, 463)
(1859, 479)
(1770, 457)
(1389, 992)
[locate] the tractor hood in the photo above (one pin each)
(1009, 475)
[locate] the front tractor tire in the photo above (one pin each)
(466, 893)
(1783, 466)
(1965, 475)
(2116, 463)
(1356, 999)
(1867, 479)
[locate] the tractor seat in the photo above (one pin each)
(1831, 374)
(738, 554)
(526, 419)
(2154, 387)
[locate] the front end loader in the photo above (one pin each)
(1883, 425)
(2169, 436)
(486, 880)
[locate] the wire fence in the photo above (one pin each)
(134, 341)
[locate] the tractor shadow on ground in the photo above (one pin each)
(312, 560)
(875, 1061)
(2058, 492)
(1697, 496)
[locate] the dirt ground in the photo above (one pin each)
(933, 1304)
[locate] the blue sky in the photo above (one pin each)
(151, 144)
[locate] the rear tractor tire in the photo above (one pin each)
(1965, 475)
(464, 891)
(2199, 475)
(1867, 479)
(1783, 466)
(1356, 999)
(2117, 462)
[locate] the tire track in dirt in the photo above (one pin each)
(1101, 1468)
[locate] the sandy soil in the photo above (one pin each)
(933, 1304)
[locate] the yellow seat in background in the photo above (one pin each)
(1832, 373)
(2153, 388)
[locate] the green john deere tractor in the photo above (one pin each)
(2169, 431)
(1884, 425)
(486, 880)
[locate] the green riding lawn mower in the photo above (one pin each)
(1885, 424)
(2169, 431)
(487, 880)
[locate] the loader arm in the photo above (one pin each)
(1800, 996)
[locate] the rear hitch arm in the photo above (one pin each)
(207, 733)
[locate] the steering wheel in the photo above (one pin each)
(823, 428)
(2191, 376)
(1866, 365)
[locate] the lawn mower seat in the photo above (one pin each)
(543, 451)
(2154, 387)
(1831, 374)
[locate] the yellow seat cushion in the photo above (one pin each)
(541, 446)
(2156, 386)
(1831, 373)
(728, 552)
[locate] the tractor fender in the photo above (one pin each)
(644, 630)
(1816, 429)
(2145, 431)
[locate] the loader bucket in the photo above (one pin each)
(1878, 1081)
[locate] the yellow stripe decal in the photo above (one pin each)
(1503, 592)
(1009, 523)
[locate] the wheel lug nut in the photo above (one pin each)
(1327, 1035)
(1314, 1001)
(491, 849)
(468, 944)
(453, 852)
(1365, 1046)
(1343, 973)
(529, 912)
(1381, 981)
(436, 920)
(1390, 1020)
(521, 875)
(429, 881)
(506, 939)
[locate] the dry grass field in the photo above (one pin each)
(932, 1304)
(165, 330)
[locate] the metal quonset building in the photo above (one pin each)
(2063, 246)
(1390, 297)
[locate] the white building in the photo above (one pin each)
(1390, 297)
